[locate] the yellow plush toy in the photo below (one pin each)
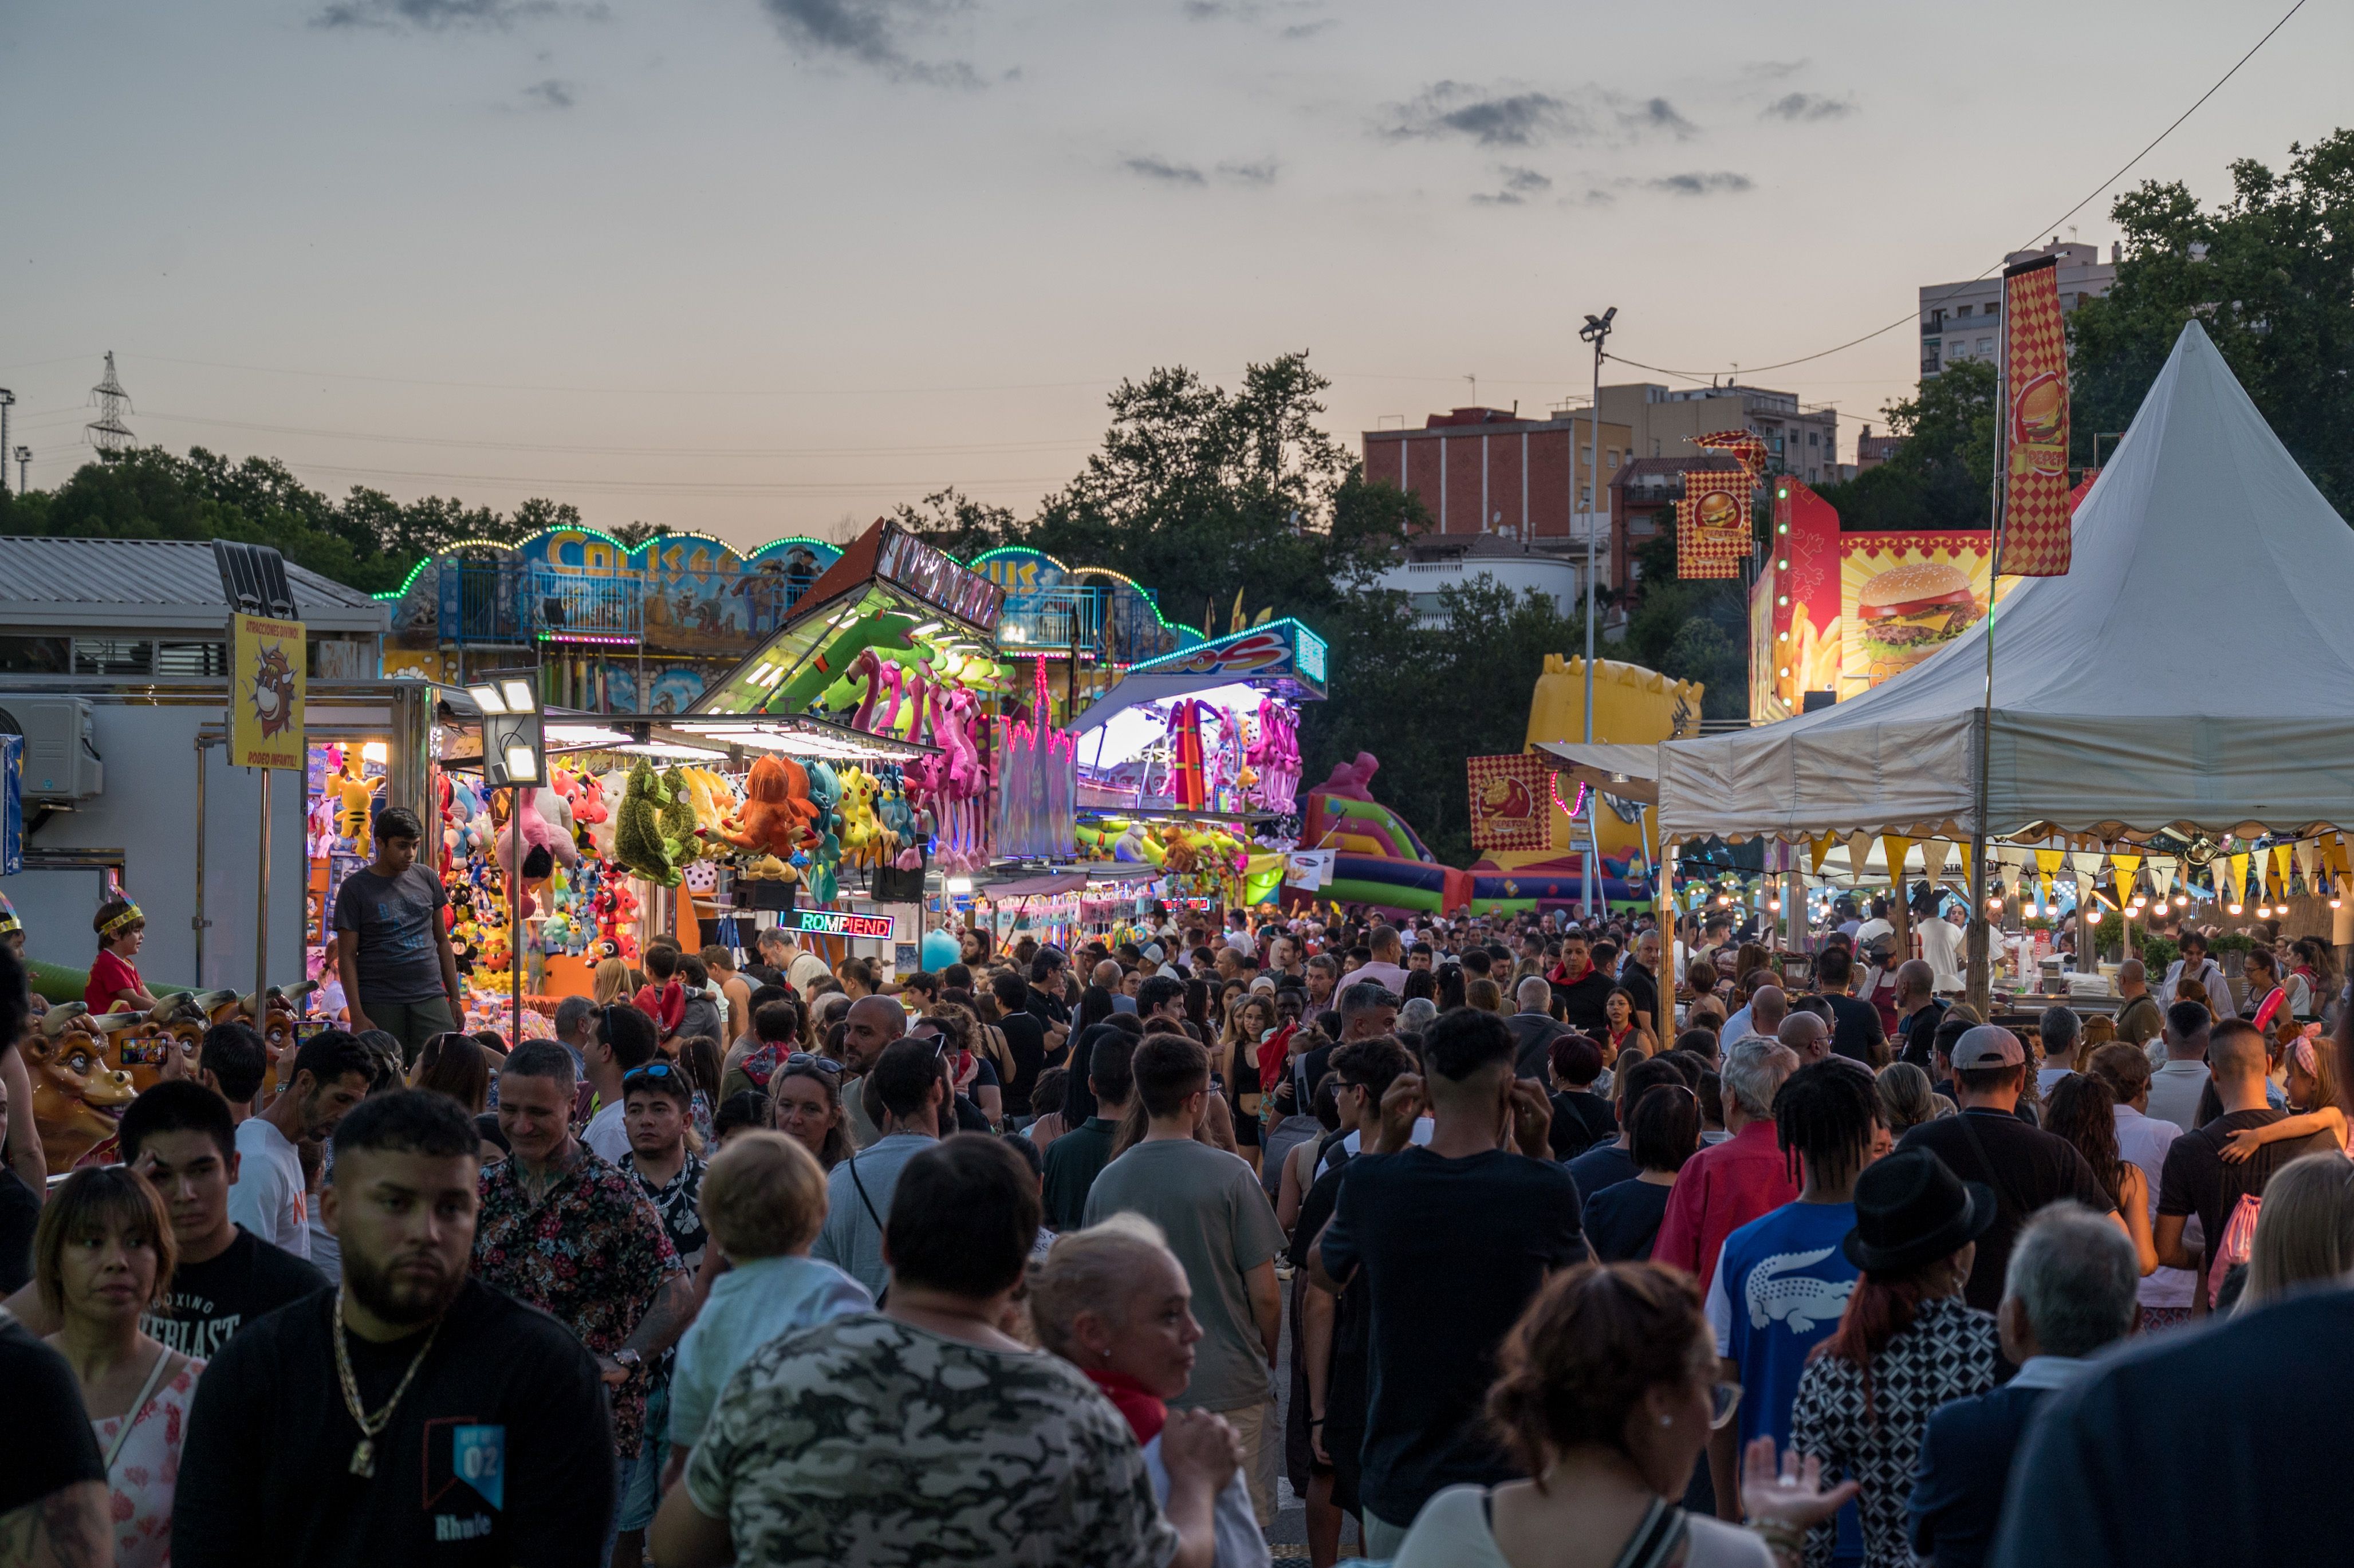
(861, 830)
(352, 819)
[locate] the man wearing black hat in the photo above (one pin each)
(2026, 1167)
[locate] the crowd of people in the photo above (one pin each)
(1504, 1241)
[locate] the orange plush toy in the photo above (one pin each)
(777, 812)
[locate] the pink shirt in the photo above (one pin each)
(1720, 1190)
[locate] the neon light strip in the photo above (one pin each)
(842, 922)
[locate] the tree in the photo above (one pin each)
(367, 541)
(1943, 474)
(2269, 272)
(1696, 631)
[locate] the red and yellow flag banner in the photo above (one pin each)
(1746, 447)
(1511, 802)
(1713, 523)
(2035, 502)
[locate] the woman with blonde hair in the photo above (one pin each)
(2305, 1233)
(612, 983)
(102, 1257)
(1114, 1302)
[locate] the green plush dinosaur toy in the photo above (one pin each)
(638, 840)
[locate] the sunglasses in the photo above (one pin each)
(801, 1060)
(652, 1073)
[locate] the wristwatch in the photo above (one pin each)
(625, 1357)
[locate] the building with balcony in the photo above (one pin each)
(1800, 439)
(1962, 321)
(1429, 563)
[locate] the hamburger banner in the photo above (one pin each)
(2035, 500)
(1511, 802)
(1713, 523)
(1904, 596)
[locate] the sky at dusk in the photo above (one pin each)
(761, 267)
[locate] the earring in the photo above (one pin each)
(1667, 1421)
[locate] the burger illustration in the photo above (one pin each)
(1718, 510)
(1911, 610)
(2040, 424)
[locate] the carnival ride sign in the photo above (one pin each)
(267, 691)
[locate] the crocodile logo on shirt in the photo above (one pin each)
(1774, 1289)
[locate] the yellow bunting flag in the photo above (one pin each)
(1962, 853)
(2281, 853)
(1819, 851)
(1895, 846)
(2237, 868)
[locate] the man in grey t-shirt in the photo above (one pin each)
(400, 972)
(1216, 1219)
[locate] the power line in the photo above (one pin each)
(629, 391)
(933, 450)
(2052, 227)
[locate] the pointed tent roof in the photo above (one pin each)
(2195, 666)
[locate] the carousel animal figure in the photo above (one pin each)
(77, 1097)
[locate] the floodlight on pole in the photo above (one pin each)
(486, 697)
(518, 695)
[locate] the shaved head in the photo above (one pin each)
(1767, 1007)
(1806, 1034)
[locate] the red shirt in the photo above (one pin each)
(1720, 1190)
(109, 975)
(667, 1008)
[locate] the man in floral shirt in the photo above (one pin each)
(565, 1232)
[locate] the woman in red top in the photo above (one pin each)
(121, 929)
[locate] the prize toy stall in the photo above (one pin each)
(1190, 764)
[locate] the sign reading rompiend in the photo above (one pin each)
(266, 692)
(2035, 506)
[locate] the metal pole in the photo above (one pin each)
(7, 399)
(1597, 331)
(261, 901)
(198, 922)
(1979, 979)
(515, 918)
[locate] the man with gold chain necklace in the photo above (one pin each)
(414, 1416)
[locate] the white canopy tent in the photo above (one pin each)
(2195, 668)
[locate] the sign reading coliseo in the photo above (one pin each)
(842, 922)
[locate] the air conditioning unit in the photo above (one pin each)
(60, 763)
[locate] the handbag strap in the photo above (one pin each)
(853, 1163)
(138, 1407)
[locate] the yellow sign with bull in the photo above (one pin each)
(266, 691)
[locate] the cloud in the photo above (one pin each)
(552, 93)
(1259, 171)
(1490, 116)
(1723, 180)
(1808, 106)
(1517, 114)
(1161, 171)
(867, 33)
(1657, 114)
(1519, 184)
(1309, 29)
(434, 16)
(1772, 71)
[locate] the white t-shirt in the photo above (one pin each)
(268, 1198)
(1871, 928)
(1452, 1531)
(2144, 1140)
(1233, 1526)
(607, 1138)
(1941, 946)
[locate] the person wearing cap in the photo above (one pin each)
(2024, 1166)
(1906, 1343)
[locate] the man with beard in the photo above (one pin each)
(415, 1415)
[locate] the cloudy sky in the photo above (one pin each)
(768, 266)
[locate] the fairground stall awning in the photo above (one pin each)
(2194, 669)
(1213, 727)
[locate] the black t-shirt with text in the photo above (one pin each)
(45, 1443)
(2198, 1180)
(2026, 1167)
(499, 1452)
(1451, 1251)
(213, 1299)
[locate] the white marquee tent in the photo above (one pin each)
(2195, 667)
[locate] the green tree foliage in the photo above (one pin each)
(2269, 272)
(367, 540)
(1423, 699)
(1689, 631)
(1942, 476)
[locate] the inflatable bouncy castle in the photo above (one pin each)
(1381, 861)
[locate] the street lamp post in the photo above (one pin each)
(1595, 331)
(514, 753)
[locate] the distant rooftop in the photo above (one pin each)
(159, 584)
